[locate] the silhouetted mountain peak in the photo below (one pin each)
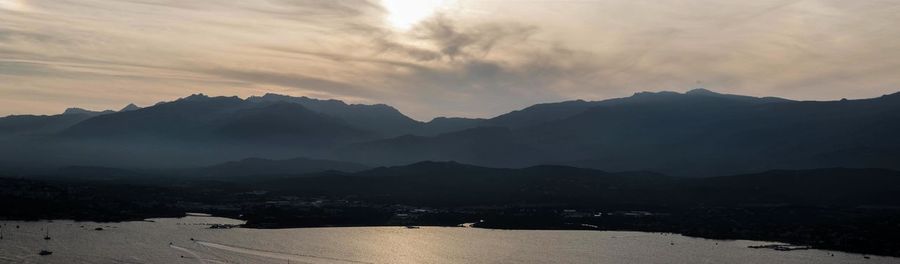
(442, 119)
(893, 96)
(75, 111)
(380, 118)
(319, 105)
(384, 107)
(202, 101)
(82, 111)
(273, 97)
(701, 91)
(696, 94)
(197, 96)
(660, 93)
(130, 107)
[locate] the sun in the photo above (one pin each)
(403, 14)
(15, 5)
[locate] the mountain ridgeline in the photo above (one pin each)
(698, 133)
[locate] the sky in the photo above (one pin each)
(429, 58)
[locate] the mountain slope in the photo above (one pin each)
(699, 133)
(190, 132)
(208, 119)
(30, 124)
(286, 123)
(541, 113)
(712, 136)
(17, 125)
(380, 118)
(186, 118)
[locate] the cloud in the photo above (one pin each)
(453, 41)
(474, 58)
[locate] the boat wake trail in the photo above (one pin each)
(279, 255)
(197, 257)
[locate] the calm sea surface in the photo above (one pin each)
(149, 242)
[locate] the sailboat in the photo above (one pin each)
(45, 252)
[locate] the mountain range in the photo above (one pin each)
(697, 133)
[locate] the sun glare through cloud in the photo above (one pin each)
(403, 14)
(15, 5)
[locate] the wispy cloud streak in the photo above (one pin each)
(471, 58)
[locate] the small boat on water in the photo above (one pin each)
(782, 247)
(412, 227)
(222, 226)
(45, 252)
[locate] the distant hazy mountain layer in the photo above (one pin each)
(698, 133)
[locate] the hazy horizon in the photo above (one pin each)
(401, 110)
